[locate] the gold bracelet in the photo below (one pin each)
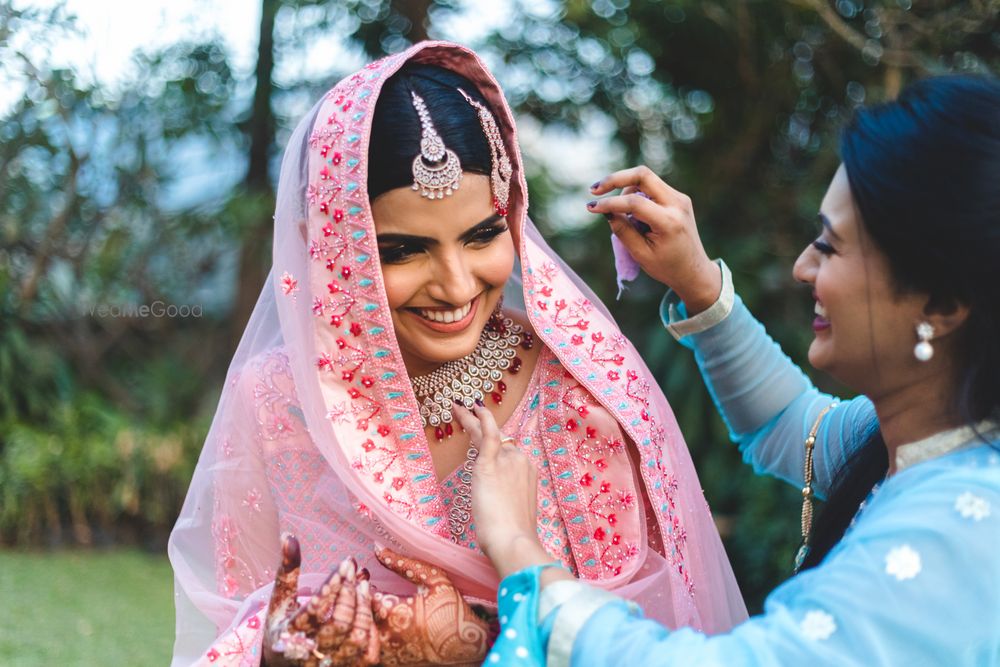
(807, 490)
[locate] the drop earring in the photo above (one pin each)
(924, 350)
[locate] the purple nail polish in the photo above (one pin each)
(458, 402)
(594, 186)
(480, 403)
(592, 204)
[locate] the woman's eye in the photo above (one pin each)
(484, 236)
(823, 247)
(395, 254)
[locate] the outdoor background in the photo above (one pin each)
(143, 177)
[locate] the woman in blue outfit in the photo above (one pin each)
(901, 566)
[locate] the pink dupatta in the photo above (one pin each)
(318, 430)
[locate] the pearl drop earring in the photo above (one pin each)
(924, 350)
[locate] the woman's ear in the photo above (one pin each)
(945, 315)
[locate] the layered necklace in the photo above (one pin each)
(473, 377)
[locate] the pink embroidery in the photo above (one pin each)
(289, 285)
(252, 500)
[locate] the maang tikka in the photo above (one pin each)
(437, 171)
(502, 170)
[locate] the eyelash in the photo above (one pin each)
(484, 236)
(823, 247)
(401, 253)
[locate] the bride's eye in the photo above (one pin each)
(485, 235)
(396, 253)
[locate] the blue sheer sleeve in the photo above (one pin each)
(767, 402)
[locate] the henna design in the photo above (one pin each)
(335, 627)
(436, 625)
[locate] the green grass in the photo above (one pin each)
(100, 608)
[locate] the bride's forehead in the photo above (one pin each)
(404, 211)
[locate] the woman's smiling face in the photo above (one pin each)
(865, 325)
(444, 265)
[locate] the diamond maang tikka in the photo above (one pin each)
(437, 171)
(502, 169)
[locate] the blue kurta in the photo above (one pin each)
(914, 581)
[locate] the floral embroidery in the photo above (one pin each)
(817, 625)
(902, 562)
(240, 646)
(289, 285)
(252, 500)
(973, 507)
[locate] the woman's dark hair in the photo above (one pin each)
(395, 135)
(924, 172)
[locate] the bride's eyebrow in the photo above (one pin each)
(427, 241)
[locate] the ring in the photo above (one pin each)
(507, 440)
(324, 660)
(294, 645)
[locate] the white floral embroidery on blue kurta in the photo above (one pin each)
(817, 625)
(971, 506)
(902, 562)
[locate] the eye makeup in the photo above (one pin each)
(396, 248)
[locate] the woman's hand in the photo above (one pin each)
(671, 250)
(335, 627)
(504, 496)
(434, 626)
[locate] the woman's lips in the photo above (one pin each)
(820, 323)
(447, 327)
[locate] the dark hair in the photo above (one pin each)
(924, 172)
(395, 135)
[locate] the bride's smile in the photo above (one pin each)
(444, 264)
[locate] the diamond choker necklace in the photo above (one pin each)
(473, 377)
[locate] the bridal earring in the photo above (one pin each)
(924, 350)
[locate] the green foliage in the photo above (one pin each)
(89, 470)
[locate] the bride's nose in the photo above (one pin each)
(454, 280)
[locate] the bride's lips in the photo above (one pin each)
(447, 327)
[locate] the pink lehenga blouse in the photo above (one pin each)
(318, 432)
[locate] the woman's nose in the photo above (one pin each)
(454, 281)
(804, 269)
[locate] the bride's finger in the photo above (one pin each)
(286, 582)
(338, 621)
(356, 643)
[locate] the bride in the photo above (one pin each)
(401, 223)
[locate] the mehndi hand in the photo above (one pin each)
(434, 626)
(335, 627)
